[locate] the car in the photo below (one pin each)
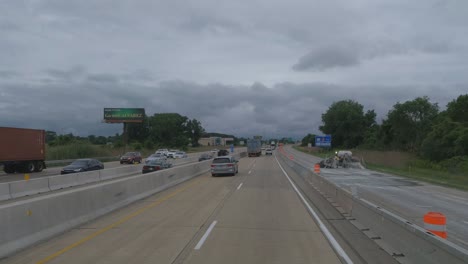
(131, 158)
(214, 151)
(268, 151)
(155, 157)
(225, 165)
(155, 165)
(179, 155)
(162, 151)
(81, 165)
(171, 152)
(205, 156)
(223, 152)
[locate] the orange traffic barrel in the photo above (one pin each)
(317, 168)
(435, 223)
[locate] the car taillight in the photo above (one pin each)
(158, 167)
(230, 165)
(212, 166)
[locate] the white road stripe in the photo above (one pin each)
(466, 222)
(250, 171)
(324, 229)
(205, 236)
(240, 185)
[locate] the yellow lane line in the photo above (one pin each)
(117, 223)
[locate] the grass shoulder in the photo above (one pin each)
(405, 165)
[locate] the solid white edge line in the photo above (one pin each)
(205, 236)
(324, 229)
(240, 185)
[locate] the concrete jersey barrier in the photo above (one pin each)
(54, 213)
(414, 243)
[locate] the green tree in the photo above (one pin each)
(195, 131)
(408, 123)
(169, 129)
(50, 136)
(138, 131)
(310, 138)
(449, 133)
(347, 123)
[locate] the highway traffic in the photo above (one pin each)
(52, 171)
(257, 216)
(408, 198)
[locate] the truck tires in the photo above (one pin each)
(29, 167)
(9, 168)
(39, 166)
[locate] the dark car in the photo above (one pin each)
(82, 165)
(131, 157)
(205, 156)
(155, 165)
(223, 152)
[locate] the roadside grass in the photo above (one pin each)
(403, 164)
(319, 153)
(439, 177)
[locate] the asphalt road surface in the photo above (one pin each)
(253, 217)
(51, 171)
(408, 198)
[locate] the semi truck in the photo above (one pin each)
(254, 147)
(22, 150)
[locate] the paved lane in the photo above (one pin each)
(259, 219)
(408, 198)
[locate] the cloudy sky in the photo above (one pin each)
(240, 67)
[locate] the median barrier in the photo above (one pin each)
(119, 172)
(29, 187)
(411, 242)
(4, 191)
(87, 177)
(62, 181)
(29, 221)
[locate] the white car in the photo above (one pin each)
(171, 152)
(268, 151)
(179, 155)
(162, 151)
(214, 151)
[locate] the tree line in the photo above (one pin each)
(158, 130)
(416, 126)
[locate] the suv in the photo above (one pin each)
(223, 152)
(225, 165)
(268, 151)
(130, 158)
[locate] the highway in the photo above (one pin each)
(52, 171)
(408, 198)
(256, 216)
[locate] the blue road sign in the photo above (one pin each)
(232, 148)
(323, 141)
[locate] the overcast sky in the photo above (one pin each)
(240, 67)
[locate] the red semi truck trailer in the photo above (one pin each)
(22, 150)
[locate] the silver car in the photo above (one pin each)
(225, 165)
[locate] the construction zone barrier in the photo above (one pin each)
(317, 168)
(435, 223)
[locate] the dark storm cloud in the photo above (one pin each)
(280, 110)
(241, 67)
(325, 58)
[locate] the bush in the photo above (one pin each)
(76, 150)
(137, 146)
(458, 164)
(149, 144)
